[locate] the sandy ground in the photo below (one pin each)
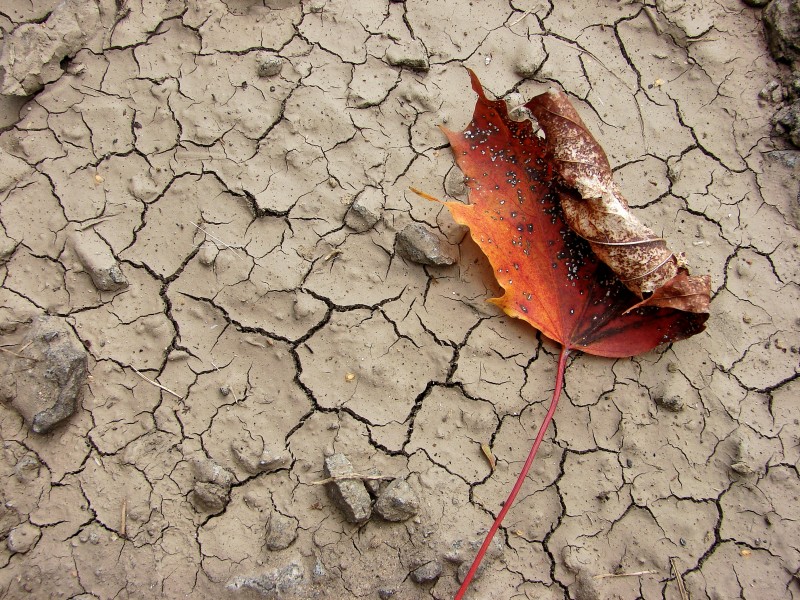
(212, 149)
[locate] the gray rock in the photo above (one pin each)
(319, 573)
(670, 402)
(412, 56)
(366, 210)
(22, 538)
(787, 121)
(428, 572)
(96, 257)
(374, 486)
(771, 92)
(397, 502)
(45, 380)
(269, 66)
(416, 243)
(271, 584)
(350, 495)
(209, 497)
(31, 56)
(782, 25)
(281, 531)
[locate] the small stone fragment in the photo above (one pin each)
(455, 184)
(46, 380)
(768, 90)
(27, 468)
(366, 209)
(269, 66)
(281, 531)
(320, 573)
(412, 56)
(254, 458)
(428, 572)
(7, 247)
(374, 486)
(210, 497)
(416, 243)
(744, 462)
(96, 257)
(350, 495)
(207, 254)
(271, 584)
(22, 538)
(397, 502)
(672, 403)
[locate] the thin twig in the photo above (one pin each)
(352, 476)
(18, 355)
(634, 574)
(219, 241)
(525, 14)
(679, 580)
(158, 385)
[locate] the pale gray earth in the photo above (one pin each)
(210, 151)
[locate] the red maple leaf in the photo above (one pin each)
(530, 198)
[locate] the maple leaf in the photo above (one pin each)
(572, 259)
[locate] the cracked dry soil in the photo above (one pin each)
(211, 150)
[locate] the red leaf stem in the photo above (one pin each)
(562, 365)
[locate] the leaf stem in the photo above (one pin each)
(562, 365)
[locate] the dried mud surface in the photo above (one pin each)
(212, 149)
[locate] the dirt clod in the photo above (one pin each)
(427, 573)
(209, 497)
(95, 256)
(22, 538)
(32, 56)
(46, 379)
(411, 55)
